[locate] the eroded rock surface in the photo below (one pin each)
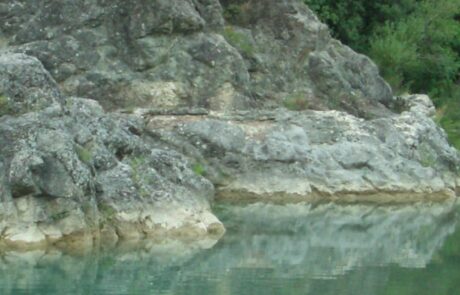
(69, 169)
(286, 156)
(198, 88)
(207, 53)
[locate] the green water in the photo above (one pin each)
(295, 249)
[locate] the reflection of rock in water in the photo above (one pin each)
(128, 269)
(329, 239)
(268, 250)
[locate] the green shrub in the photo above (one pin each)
(415, 43)
(236, 11)
(199, 169)
(354, 21)
(84, 154)
(296, 102)
(4, 105)
(107, 211)
(238, 40)
(136, 175)
(232, 12)
(419, 50)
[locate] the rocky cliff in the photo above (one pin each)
(189, 100)
(218, 55)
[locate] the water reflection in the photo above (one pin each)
(268, 249)
(333, 239)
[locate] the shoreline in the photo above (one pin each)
(108, 238)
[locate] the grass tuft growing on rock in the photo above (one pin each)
(296, 102)
(107, 211)
(84, 154)
(59, 216)
(136, 175)
(238, 40)
(4, 105)
(199, 169)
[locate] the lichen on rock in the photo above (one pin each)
(185, 103)
(70, 169)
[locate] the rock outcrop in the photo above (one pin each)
(286, 156)
(71, 170)
(206, 53)
(196, 88)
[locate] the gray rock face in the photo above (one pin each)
(71, 172)
(68, 168)
(285, 156)
(220, 55)
(22, 92)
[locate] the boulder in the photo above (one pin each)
(69, 169)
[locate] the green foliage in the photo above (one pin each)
(353, 21)
(59, 216)
(238, 40)
(296, 102)
(4, 105)
(84, 154)
(420, 49)
(449, 116)
(107, 211)
(235, 11)
(415, 43)
(136, 165)
(199, 169)
(232, 12)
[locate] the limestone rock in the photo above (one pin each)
(225, 54)
(200, 84)
(21, 91)
(67, 167)
(285, 156)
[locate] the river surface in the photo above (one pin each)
(268, 249)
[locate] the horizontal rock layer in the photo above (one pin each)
(318, 156)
